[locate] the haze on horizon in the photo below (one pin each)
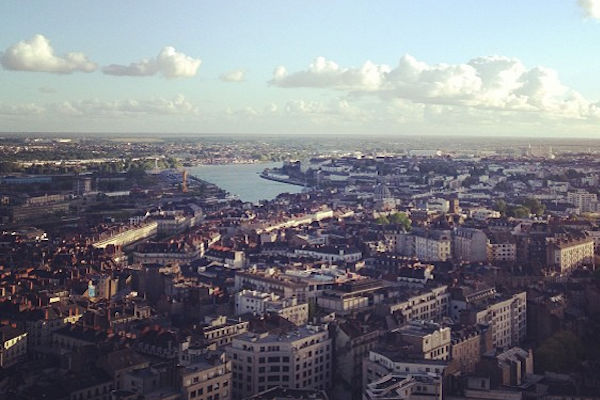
(391, 67)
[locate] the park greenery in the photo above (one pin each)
(521, 209)
(397, 218)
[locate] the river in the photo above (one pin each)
(244, 180)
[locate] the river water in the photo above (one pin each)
(244, 180)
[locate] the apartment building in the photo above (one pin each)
(221, 330)
(206, 378)
(260, 303)
(563, 255)
(470, 245)
(583, 200)
(433, 246)
(382, 362)
(405, 386)
(13, 345)
(502, 247)
(505, 315)
(270, 282)
(295, 359)
(429, 340)
(431, 304)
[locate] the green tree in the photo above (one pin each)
(470, 181)
(382, 220)
(535, 206)
(519, 212)
(400, 219)
(562, 352)
(501, 206)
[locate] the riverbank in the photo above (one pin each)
(288, 180)
(244, 180)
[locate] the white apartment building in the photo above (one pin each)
(564, 255)
(403, 386)
(297, 359)
(507, 318)
(433, 247)
(327, 253)
(429, 305)
(380, 364)
(470, 245)
(431, 340)
(585, 201)
(260, 303)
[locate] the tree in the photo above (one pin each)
(519, 212)
(500, 206)
(561, 352)
(400, 219)
(535, 206)
(382, 220)
(470, 181)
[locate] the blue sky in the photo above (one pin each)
(397, 67)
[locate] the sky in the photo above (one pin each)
(427, 67)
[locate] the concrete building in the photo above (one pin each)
(128, 236)
(350, 296)
(207, 377)
(422, 305)
(13, 345)
(470, 245)
(260, 303)
(405, 386)
(502, 247)
(353, 341)
(384, 361)
(296, 359)
(330, 253)
(585, 201)
(468, 345)
(432, 246)
(505, 315)
(221, 330)
(563, 255)
(428, 340)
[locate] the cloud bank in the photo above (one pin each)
(591, 8)
(37, 55)
(169, 63)
(491, 82)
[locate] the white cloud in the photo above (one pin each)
(492, 82)
(325, 73)
(130, 107)
(21, 109)
(237, 75)
(591, 8)
(37, 55)
(169, 63)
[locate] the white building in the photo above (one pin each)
(564, 255)
(297, 359)
(260, 303)
(585, 201)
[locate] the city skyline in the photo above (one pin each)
(391, 68)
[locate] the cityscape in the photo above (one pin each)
(172, 229)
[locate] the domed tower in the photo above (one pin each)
(383, 197)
